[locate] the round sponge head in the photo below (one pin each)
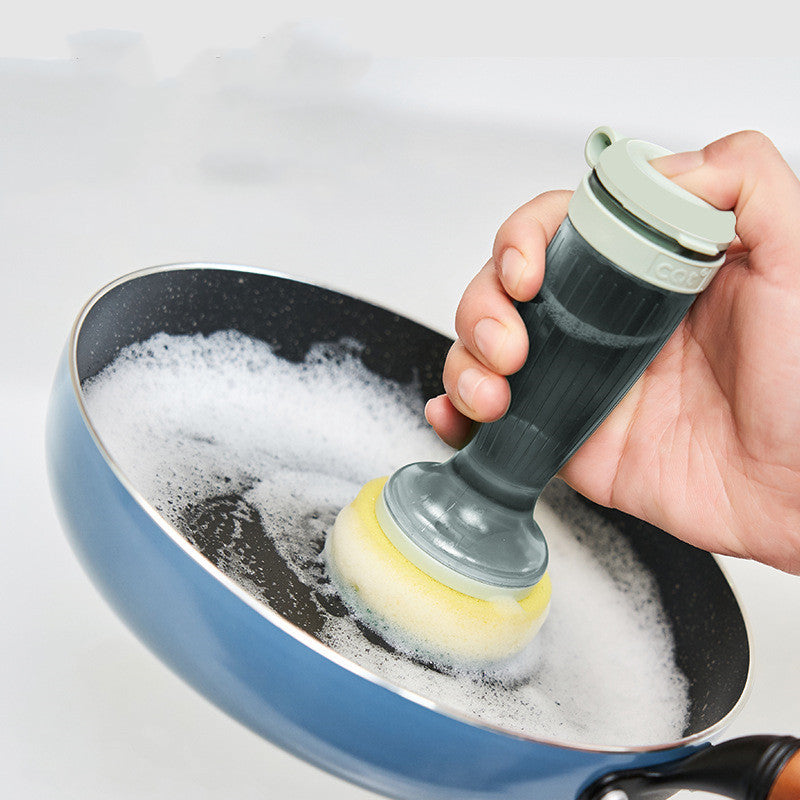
(413, 611)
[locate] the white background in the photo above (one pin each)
(339, 151)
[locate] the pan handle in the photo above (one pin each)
(749, 768)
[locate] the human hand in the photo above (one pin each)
(706, 445)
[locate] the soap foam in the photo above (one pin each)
(219, 434)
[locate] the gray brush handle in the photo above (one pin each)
(593, 329)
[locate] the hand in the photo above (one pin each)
(706, 445)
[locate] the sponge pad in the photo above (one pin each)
(413, 611)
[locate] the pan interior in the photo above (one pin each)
(293, 319)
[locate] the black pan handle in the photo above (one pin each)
(749, 768)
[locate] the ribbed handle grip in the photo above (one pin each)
(593, 329)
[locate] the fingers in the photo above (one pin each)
(474, 390)
(520, 243)
(486, 321)
(492, 339)
(489, 326)
(449, 423)
(745, 172)
(473, 393)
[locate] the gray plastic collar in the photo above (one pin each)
(622, 167)
(435, 568)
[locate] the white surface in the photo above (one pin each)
(385, 178)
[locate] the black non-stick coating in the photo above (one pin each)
(711, 641)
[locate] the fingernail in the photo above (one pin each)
(512, 265)
(490, 336)
(678, 163)
(468, 383)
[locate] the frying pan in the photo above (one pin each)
(254, 651)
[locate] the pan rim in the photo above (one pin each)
(298, 633)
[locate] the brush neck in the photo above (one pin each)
(481, 472)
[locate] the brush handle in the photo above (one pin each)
(593, 329)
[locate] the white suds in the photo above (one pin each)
(220, 433)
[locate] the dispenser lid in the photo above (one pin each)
(622, 166)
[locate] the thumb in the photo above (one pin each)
(744, 172)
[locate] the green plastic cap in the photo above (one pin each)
(623, 168)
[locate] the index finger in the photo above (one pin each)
(520, 244)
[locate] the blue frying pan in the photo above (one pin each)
(255, 652)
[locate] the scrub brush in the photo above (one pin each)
(446, 560)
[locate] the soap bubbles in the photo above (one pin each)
(250, 457)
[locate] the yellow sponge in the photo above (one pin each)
(414, 611)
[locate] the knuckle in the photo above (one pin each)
(521, 231)
(478, 296)
(749, 143)
(505, 235)
(452, 354)
(464, 315)
(755, 140)
(526, 228)
(454, 360)
(554, 194)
